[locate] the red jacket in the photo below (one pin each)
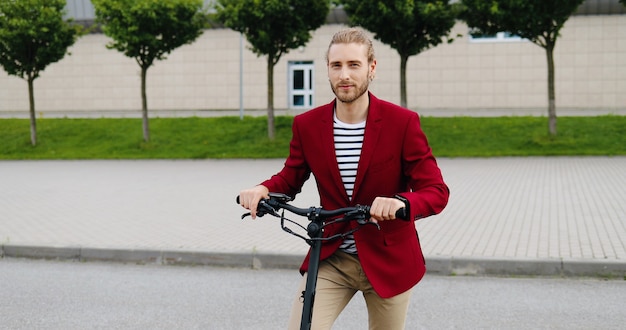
(395, 159)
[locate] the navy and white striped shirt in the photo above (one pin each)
(348, 144)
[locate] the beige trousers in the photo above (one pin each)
(339, 278)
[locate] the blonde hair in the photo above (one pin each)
(353, 35)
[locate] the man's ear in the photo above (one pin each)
(372, 73)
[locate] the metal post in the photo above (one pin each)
(241, 76)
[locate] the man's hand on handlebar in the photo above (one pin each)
(385, 208)
(249, 198)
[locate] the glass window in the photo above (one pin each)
(476, 36)
(298, 100)
(300, 84)
(298, 79)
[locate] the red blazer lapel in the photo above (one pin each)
(327, 138)
(373, 127)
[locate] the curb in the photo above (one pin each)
(151, 256)
(565, 267)
(446, 266)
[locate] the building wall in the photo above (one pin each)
(590, 62)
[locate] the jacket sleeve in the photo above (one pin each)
(295, 171)
(426, 191)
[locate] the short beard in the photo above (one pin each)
(347, 98)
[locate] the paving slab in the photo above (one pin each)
(527, 216)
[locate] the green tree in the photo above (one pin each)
(536, 20)
(273, 28)
(149, 30)
(408, 26)
(33, 34)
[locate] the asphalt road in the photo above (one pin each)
(38, 294)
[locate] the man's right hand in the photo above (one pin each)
(249, 198)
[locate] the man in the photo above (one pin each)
(366, 151)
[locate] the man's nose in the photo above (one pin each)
(344, 74)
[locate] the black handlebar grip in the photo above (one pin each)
(238, 199)
(401, 214)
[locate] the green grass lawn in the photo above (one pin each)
(230, 137)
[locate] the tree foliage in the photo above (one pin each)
(536, 20)
(149, 30)
(408, 26)
(273, 28)
(33, 34)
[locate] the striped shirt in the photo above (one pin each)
(348, 143)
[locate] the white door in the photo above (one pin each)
(301, 85)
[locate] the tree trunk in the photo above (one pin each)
(144, 105)
(403, 60)
(551, 95)
(271, 131)
(33, 119)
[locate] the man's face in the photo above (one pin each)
(348, 71)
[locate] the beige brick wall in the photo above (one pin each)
(590, 70)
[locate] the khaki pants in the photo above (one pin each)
(339, 278)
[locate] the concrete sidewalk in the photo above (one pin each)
(508, 216)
